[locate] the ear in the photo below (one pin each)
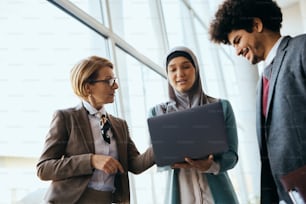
(88, 88)
(257, 25)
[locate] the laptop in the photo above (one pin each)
(194, 133)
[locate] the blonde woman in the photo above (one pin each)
(86, 162)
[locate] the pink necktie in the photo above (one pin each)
(265, 88)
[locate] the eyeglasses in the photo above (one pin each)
(110, 82)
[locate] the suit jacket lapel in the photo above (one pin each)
(277, 62)
(259, 115)
(83, 125)
(118, 134)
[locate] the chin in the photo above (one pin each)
(108, 101)
(183, 90)
(255, 60)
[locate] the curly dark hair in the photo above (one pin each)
(239, 14)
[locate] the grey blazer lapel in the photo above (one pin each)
(277, 64)
(259, 116)
(83, 125)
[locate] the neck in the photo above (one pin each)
(271, 39)
(95, 105)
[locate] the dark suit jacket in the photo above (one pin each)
(66, 157)
(285, 126)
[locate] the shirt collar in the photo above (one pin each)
(272, 52)
(91, 110)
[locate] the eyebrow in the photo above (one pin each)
(184, 62)
(109, 77)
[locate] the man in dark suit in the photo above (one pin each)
(253, 28)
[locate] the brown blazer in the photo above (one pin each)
(66, 156)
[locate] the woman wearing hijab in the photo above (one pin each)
(197, 181)
(88, 152)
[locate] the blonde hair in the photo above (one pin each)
(86, 71)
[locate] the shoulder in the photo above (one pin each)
(70, 111)
(64, 112)
(295, 49)
(159, 109)
(116, 119)
(225, 103)
(212, 99)
(298, 41)
(71, 115)
(299, 38)
(226, 106)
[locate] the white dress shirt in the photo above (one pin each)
(100, 180)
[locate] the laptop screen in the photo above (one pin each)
(194, 133)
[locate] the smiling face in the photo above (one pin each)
(102, 92)
(181, 74)
(252, 45)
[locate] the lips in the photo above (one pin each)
(181, 81)
(244, 51)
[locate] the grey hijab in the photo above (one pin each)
(181, 101)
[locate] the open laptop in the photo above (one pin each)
(194, 133)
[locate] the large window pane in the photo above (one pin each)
(173, 21)
(136, 22)
(94, 8)
(36, 59)
(141, 89)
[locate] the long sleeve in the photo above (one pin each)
(55, 162)
(138, 162)
(229, 159)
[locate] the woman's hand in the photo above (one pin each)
(106, 163)
(201, 165)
